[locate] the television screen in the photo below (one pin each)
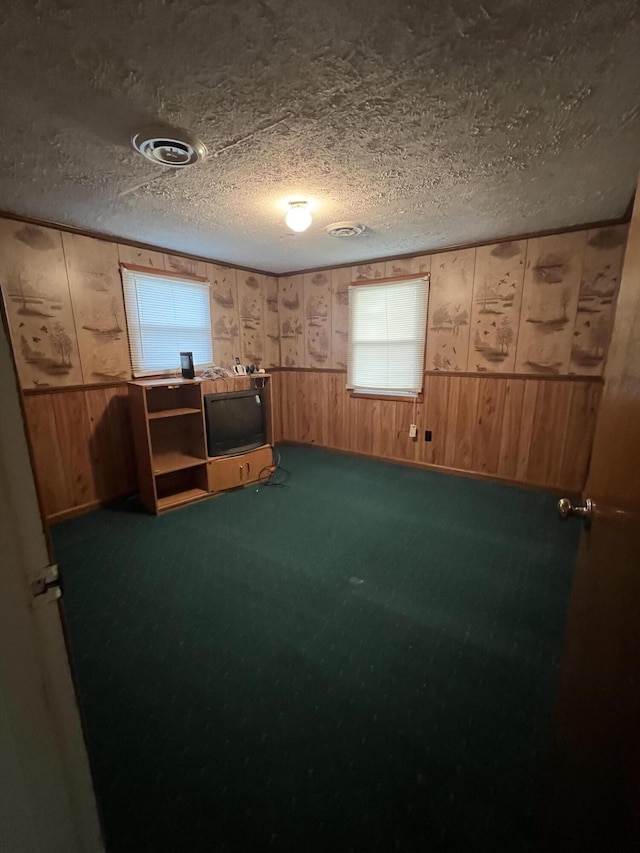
(235, 422)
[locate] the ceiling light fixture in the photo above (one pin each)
(298, 217)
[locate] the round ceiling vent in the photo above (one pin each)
(175, 148)
(344, 229)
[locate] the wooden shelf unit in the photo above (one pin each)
(169, 434)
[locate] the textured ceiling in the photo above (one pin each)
(432, 123)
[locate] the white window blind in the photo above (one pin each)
(166, 316)
(387, 328)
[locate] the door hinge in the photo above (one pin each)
(45, 586)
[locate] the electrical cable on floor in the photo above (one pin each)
(268, 475)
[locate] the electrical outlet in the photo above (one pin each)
(427, 435)
(413, 431)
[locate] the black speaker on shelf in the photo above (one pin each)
(186, 362)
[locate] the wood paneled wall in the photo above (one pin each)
(63, 298)
(532, 431)
(540, 306)
(82, 447)
(64, 302)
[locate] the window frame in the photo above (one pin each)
(393, 394)
(187, 278)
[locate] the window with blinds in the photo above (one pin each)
(387, 329)
(166, 316)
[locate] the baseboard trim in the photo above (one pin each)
(441, 469)
(81, 509)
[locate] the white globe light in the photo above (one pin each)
(298, 218)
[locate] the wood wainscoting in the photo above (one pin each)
(536, 431)
(81, 446)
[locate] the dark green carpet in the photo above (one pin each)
(362, 662)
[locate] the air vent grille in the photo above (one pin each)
(344, 229)
(175, 148)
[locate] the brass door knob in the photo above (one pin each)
(566, 509)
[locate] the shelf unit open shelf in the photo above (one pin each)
(179, 498)
(172, 413)
(181, 485)
(173, 396)
(174, 462)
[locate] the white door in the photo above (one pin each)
(46, 797)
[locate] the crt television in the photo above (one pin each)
(235, 422)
